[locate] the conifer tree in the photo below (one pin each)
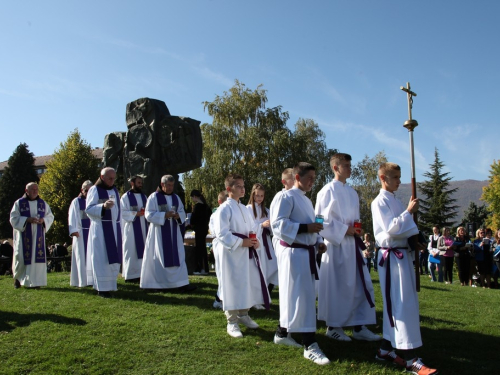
(71, 165)
(436, 202)
(19, 172)
(475, 214)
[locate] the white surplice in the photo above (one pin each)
(154, 274)
(341, 298)
(269, 266)
(239, 278)
(392, 226)
(216, 248)
(104, 275)
(131, 264)
(34, 274)
(274, 202)
(81, 267)
(297, 294)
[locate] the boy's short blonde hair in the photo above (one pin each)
(386, 168)
(287, 174)
(222, 197)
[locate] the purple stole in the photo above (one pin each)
(312, 255)
(85, 223)
(168, 236)
(253, 254)
(386, 258)
(113, 248)
(136, 224)
(26, 236)
(360, 265)
(266, 232)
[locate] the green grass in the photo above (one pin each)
(63, 330)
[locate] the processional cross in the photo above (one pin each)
(411, 124)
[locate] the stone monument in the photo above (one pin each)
(155, 144)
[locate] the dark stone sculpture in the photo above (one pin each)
(155, 144)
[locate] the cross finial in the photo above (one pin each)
(411, 94)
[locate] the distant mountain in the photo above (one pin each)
(468, 191)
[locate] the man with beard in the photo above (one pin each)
(105, 237)
(135, 228)
(79, 225)
(164, 262)
(30, 217)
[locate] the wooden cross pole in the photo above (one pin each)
(411, 124)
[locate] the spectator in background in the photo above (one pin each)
(199, 222)
(462, 257)
(496, 256)
(482, 246)
(432, 247)
(6, 252)
(369, 253)
(446, 254)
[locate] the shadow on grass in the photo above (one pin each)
(11, 320)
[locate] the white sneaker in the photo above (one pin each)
(233, 330)
(366, 335)
(314, 353)
(247, 321)
(337, 334)
(217, 305)
(259, 307)
(288, 340)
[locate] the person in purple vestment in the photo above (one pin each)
(105, 242)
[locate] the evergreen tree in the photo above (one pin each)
(254, 141)
(436, 202)
(491, 195)
(364, 179)
(71, 165)
(475, 214)
(19, 172)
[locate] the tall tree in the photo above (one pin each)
(71, 165)
(475, 214)
(491, 195)
(364, 179)
(309, 145)
(19, 172)
(247, 138)
(437, 205)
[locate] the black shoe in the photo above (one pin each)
(134, 281)
(187, 288)
(104, 294)
(17, 284)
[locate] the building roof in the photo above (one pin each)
(41, 161)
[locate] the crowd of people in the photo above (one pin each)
(318, 256)
(477, 259)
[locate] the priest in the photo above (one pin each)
(105, 237)
(135, 228)
(30, 218)
(79, 225)
(164, 259)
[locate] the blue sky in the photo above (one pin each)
(76, 64)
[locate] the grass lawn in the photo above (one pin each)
(64, 330)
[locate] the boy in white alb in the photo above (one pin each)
(345, 295)
(392, 227)
(215, 248)
(241, 280)
(293, 223)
